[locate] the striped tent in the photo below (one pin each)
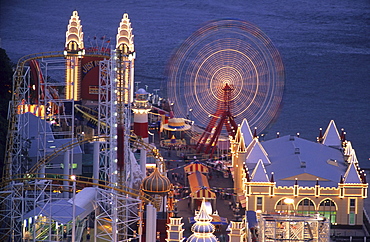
(203, 193)
(196, 166)
(199, 187)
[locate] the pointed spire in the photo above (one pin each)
(124, 35)
(257, 152)
(361, 173)
(203, 215)
(272, 177)
(331, 136)
(348, 149)
(343, 135)
(202, 229)
(259, 173)
(247, 176)
(246, 132)
(296, 181)
(74, 34)
(317, 181)
(255, 132)
(277, 134)
(351, 175)
(341, 181)
(320, 138)
(241, 146)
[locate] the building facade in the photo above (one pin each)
(292, 175)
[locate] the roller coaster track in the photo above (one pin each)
(134, 139)
(88, 113)
(17, 99)
(87, 181)
(13, 120)
(12, 177)
(29, 182)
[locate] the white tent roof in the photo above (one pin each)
(60, 211)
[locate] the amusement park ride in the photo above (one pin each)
(228, 79)
(225, 72)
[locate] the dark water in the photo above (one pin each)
(325, 46)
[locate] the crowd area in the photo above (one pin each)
(220, 182)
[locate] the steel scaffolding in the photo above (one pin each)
(27, 189)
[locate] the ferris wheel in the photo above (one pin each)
(230, 54)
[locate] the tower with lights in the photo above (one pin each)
(73, 52)
(141, 109)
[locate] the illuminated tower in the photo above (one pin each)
(141, 109)
(73, 52)
(125, 44)
(124, 68)
(202, 229)
(175, 230)
(237, 231)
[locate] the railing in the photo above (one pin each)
(366, 221)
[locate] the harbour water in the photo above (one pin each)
(325, 46)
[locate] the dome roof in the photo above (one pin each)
(156, 183)
(197, 238)
(141, 91)
(203, 228)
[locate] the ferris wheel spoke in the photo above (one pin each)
(231, 52)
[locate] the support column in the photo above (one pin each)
(66, 173)
(96, 160)
(143, 154)
(151, 223)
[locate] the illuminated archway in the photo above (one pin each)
(282, 207)
(306, 207)
(328, 208)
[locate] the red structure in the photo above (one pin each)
(224, 117)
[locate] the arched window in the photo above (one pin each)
(72, 45)
(328, 209)
(306, 207)
(282, 207)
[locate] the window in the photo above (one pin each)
(282, 207)
(352, 218)
(352, 211)
(327, 209)
(352, 203)
(306, 207)
(259, 203)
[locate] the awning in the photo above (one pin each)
(199, 186)
(196, 166)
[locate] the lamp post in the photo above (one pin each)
(73, 177)
(288, 201)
